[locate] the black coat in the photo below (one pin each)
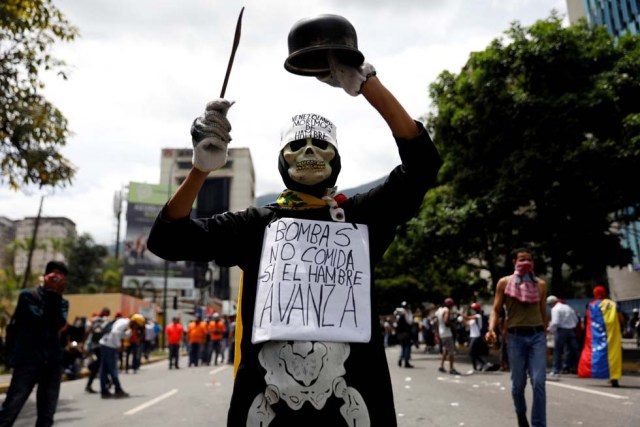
(236, 239)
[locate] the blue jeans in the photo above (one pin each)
(23, 379)
(528, 355)
(564, 338)
(109, 369)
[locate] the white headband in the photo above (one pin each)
(303, 126)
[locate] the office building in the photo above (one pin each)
(231, 188)
(52, 232)
(619, 16)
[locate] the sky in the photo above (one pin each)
(142, 70)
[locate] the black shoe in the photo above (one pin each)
(454, 372)
(615, 384)
(106, 395)
(408, 365)
(88, 389)
(400, 362)
(120, 394)
(441, 369)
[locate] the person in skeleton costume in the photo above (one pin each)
(307, 348)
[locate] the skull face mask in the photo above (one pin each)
(309, 160)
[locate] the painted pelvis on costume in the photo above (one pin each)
(299, 372)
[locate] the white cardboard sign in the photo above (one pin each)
(314, 282)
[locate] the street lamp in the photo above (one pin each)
(166, 268)
(117, 212)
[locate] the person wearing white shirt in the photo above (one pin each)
(563, 326)
(110, 342)
(474, 322)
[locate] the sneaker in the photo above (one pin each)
(454, 372)
(120, 394)
(441, 369)
(554, 376)
(90, 390)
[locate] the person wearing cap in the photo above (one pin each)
(289, 355)
(35, 348)
(523, 295)
(563, 327)
(110, 343)
(444, 335)
(602, 352)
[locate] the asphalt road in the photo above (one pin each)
(424, 397)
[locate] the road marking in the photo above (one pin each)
(215, 371)
(586, 390)
(151, 402)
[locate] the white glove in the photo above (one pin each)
(349, 78)
(210, 136)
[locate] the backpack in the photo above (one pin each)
(97, 330)
(11, 329)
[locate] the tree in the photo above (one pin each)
(31, 129)
(85, 260)
(540, 134)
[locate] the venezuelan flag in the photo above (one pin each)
(602, 353)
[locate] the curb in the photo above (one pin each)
(85, 372)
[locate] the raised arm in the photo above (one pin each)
(210, 138)
(399, 121)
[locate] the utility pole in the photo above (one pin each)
(27, 271)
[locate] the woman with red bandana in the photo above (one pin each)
(524, 295)
(602, 353)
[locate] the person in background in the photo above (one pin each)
(602, 353)
(403, 334)
(92, 345)
(474, 322)
(149, 338)
(133, 350)
(232, 340)
(109, 345)
(196, 334)
(35, 350)
(524, 295)
(444, 334)
(216, 330)
(563, 327)
(174, 333)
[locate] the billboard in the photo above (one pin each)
(142, 269)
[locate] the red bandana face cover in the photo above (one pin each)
(524, 267)
(523, 284)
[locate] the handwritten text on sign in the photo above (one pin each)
(314, 282)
